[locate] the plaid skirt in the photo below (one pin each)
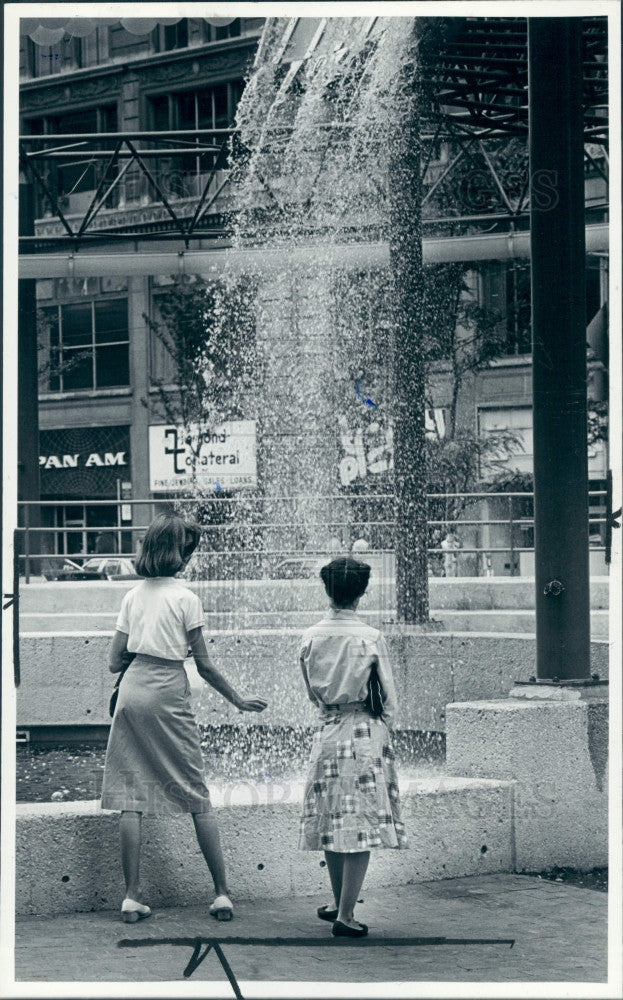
(351, 801)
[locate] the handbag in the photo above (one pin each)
(127, 659)
(374, 699)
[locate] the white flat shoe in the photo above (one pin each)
(131, 911)
(222, 908)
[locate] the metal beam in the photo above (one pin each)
(496, 246)
(559, 349)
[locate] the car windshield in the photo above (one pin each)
(93, 565)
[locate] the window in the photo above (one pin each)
(65, 56)
(506, 291)
(207, 108)
(168, 37)
(85, 345)
(70, 179)
(518, 324)
(123, 45)
(77, 543)
(210, 107)
(214, 33)
(48, 60)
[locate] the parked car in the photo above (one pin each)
(296, 568)
(58, 571)
(95, 568)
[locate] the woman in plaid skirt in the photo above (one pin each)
(351, 802)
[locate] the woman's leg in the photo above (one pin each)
(353, 873)
(209, 839)
(335, 864)
(130, 838)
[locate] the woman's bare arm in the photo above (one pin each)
(215, 679)
(118, 652)
(310, 693)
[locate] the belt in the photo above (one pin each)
(350, 706)
(160, 661)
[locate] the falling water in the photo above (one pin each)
(310, 192)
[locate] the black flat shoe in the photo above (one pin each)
(326, 914)
(343, 930)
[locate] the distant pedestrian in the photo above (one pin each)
(360, 547)
(153, 761)
(351, 801)
(105, 543)
(450, 546)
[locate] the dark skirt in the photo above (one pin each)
(351, 800)
(153, 761)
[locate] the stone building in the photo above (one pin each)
(98, 441)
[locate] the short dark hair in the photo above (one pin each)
(345, 579)
(168, 543)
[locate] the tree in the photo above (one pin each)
(462, 337)
(456, 338)
(208, 333)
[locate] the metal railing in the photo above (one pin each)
(259, 536)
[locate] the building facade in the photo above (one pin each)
(99, 360)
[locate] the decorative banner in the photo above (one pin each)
(224, 458)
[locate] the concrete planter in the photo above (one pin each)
(67, 855)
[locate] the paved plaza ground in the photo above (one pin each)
(495, 928)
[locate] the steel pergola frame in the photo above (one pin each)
(475, 87)
(475, 74)
(187, 225)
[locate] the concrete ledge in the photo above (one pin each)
(556, 753)
(455, 621)
(67, 855)
(461, 594)
(65, 679)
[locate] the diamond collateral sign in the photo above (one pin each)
(224, 457)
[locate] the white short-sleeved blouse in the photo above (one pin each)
(336, 655)
(157, 615)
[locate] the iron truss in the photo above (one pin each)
(475, 74)
(117, 159)
(475, 81)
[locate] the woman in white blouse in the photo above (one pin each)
(153, 761)
(351, 801)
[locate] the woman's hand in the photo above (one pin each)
(250, 704)
(208, 672)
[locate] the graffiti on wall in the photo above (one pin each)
(369, 450)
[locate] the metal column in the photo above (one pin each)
(28, 381)
(559, 348)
